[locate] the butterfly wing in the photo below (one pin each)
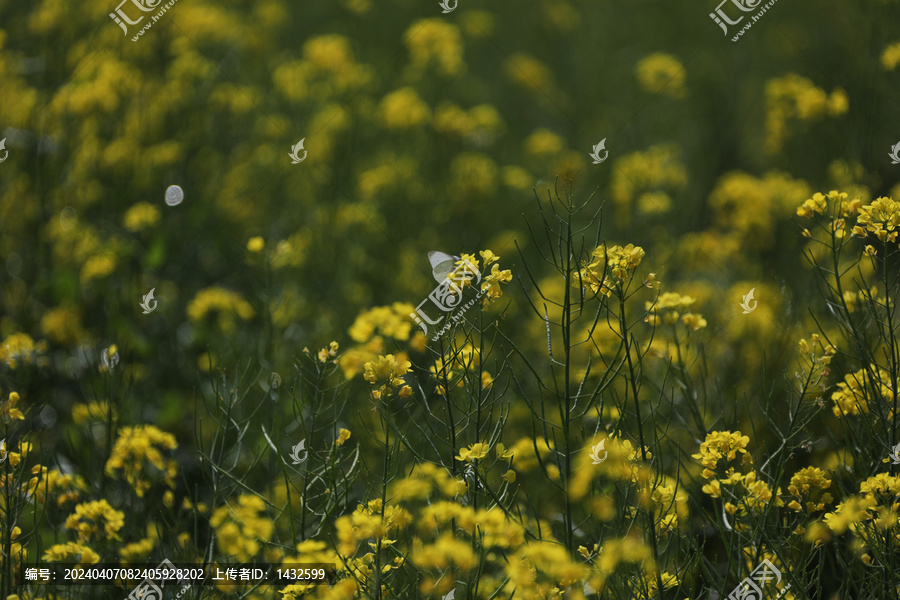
(442, 264)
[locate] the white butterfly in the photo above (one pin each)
(442, 264)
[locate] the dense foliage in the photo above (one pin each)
(661, 369)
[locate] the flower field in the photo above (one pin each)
(449, 300)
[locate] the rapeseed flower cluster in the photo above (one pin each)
(388, 371)
(21, 348)
(610, 269)
(793, 97)
(661, 73)
(807, 488)
(63, 326)
(242, 529)
(860, 389)
(672, 306)
(403, 109)
(880, 218)
(96, 520)
(225, 303)
(141, 216)
(647, 180)
(9, 410)
(327, 69)
(435, 43)
(390, 321)
(137, 457)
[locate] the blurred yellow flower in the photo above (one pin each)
(473, 174)
(98, 267)
(890, 58)
(661, 73)
(141, 216)
(256, 244)
(403, 109)
(95, 410)
(793, 97)
(435, 42)
(242, 529)
(543, 143)
(638, 174)
(63, 325)
(71, 553)
(529, 72)
(224, 302)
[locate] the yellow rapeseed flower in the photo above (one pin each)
(403, 109)
(343, 436)
(71, 553)
(135, 450)
(90, 518)
(435, 42)
(8, 410)
(141, 216)
(242, 529)
(808, 487)
(474, 452)
(661, 74)
(720, 445)
(890, 58)
(20, 347)
(223, 302)
(256, 244)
